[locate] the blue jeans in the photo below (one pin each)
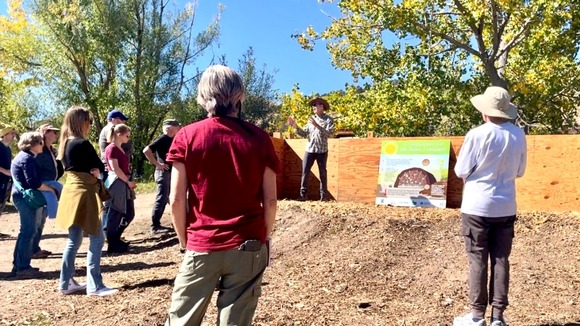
(75, 239)
(29, 224)
(41, 220)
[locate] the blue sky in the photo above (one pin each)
(267, 26)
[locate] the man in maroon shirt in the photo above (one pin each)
(223, 203)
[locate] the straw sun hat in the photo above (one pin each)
(495, 102)
(319, 100)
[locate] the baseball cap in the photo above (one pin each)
(117, 114)
(171, 122)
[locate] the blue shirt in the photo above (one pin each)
(25, 171)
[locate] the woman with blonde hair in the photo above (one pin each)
(120, 209)
(79, 205)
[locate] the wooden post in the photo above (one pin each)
(370, 134)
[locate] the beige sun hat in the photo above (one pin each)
(495, 102)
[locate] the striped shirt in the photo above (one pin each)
(318, 139)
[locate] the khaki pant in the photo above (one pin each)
(488, 238)
(239, 274)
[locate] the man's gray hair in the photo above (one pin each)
(220, 91)
(29, 140)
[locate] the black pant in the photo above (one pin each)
(117, 222)
(163, 181)
(307, 163)
(5, 190)
(488, 239)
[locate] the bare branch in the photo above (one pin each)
(502, 28)
(517, 38)
(494, 26)
(477, 30)
(448, 38)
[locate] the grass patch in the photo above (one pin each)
(145, 187)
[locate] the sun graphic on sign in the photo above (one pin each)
(390, 148)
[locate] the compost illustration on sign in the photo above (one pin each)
(413, 173)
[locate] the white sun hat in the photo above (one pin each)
(495, 102)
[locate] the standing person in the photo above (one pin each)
(120, 209)
(7, 134)
(320, 127)
(493, 155)
(114, 117)
(156, 153)
(79, 206)
(50, 171)
(223, 202)
(26, 176)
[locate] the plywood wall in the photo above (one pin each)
(551, 183)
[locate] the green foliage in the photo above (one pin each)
(17, 55)
(449, 51)
(260, 105)
(134, 55)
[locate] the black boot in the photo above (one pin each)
(116, 245)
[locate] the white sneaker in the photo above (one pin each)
(467, 320)
(73, 287)
(102, 292)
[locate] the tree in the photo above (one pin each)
(260, 105)
(17, 55)
(135, 55)
(504, 41)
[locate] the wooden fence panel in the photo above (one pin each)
(552, 178)
(551, 182)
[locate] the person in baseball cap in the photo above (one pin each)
(114, 117)
(156, 153)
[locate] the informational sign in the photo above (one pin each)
(413, 173)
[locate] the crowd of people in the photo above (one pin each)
(96, 198)
(227, 247)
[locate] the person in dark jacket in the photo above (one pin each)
(26, 176)
(50, 171)
(7, 134)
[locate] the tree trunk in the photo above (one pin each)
(494, 77)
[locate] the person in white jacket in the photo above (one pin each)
(493, 155)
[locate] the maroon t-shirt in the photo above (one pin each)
(114, 152)
(225, 160)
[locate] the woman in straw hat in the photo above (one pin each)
(493, 155)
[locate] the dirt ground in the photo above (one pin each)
(334, 264)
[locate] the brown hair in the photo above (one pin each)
(117, 130)
(73, 126)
